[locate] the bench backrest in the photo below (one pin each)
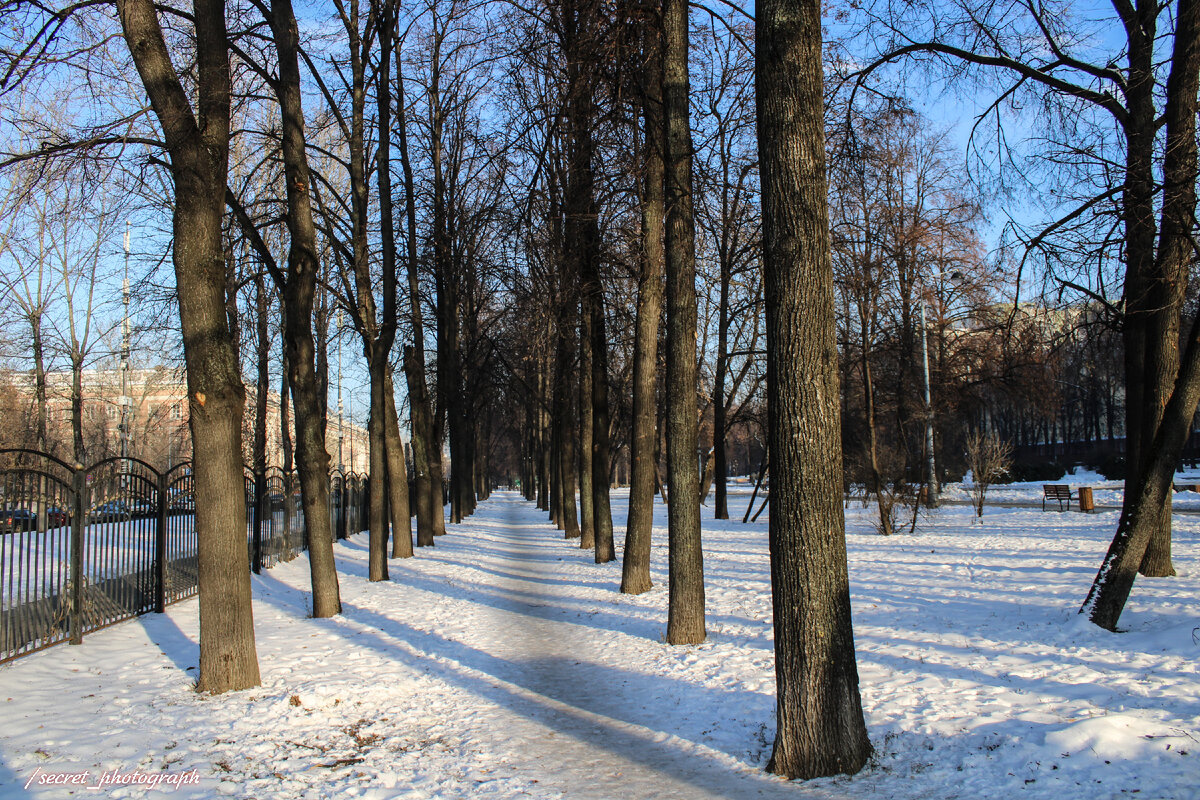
(1056, 490)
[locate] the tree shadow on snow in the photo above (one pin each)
(645, 719)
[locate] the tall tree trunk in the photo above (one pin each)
(429, 509)
(587, 531)
(1139, 542)
(1147, 381)
(199, 150)
(377, 482)
(643, 447)
(1168, 286)
(78, 451)
(42, 441)
(427, 451)
(311, 455)
(1139, 519)
(601, 450)
(543, 452)
(565, 456)
(261, 390)
(819, 713)
(720, 467)
(397, 473)
(685, 616)
(376, 341)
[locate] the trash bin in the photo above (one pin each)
(1086, 503)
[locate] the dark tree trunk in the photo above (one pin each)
(601, 451)
(587, 530)
(375, 350)
(377, 569)
(1139, 519)
(1148, 363)
(427, 451)
(78, 451)
(565, 456)
(685, 616)
(311, 455)
(397, 475)
(1140, 542)
(819, 712)
(42, 434)
(1168, 285)
(429, 508)
(720, 406)
(199, 149)
(643, 440)
(543, 451)
(263, 358)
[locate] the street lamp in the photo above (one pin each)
(932, 487)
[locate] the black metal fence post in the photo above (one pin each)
(78, 523)
(160, 547)
(260, 499)
(344, 522)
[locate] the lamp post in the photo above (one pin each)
(931, 480)
(932, 486)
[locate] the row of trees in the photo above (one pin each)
(515, 205)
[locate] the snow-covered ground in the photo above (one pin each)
(1105, 492)
(503, 664)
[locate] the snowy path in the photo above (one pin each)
(594, 728)
(503, 664)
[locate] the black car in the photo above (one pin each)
(112, 511)
(17, 519)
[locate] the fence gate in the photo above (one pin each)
(83, 548)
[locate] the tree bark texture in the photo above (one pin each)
(587, 530)
(400, 514)
(819, 712)
(198, 145)
(1150, 363)
(311, 456)
(685, 614)
(635, 567)
(1168, 285)
(427, 452)
(1140, 543)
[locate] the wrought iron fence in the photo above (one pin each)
(82, 548)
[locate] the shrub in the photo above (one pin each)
(1036, 471)
(1112, 467)
(989, 458)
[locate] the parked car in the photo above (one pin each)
(14, 519)
(143, 509)
(112, 511)
(57, 517)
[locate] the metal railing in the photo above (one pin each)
(82, 548)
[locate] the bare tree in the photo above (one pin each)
(298, 297)
(989, 458)
(1106, 95)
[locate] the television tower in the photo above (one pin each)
(126, 399)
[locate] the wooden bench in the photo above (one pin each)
(1057, 491)
(1186, 487)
